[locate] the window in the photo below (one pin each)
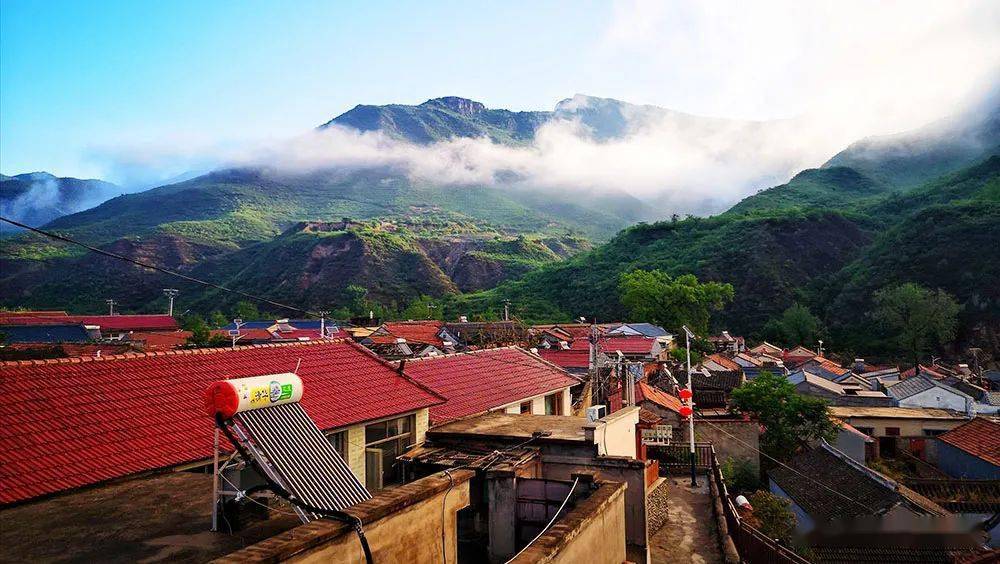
(934, 432)
(892, 431)
(553, 404)
(384, 441)
(526, 407)
(339, 442)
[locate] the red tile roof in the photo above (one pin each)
(723, 361)
(929, 371)
(628, 345)
(414, 332)
(73, 422)
(646, 392)
(476, 382)
(979, 437)
(566, 358)
(106, 322)
(160, 340)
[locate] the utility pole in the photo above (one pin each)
(820, 347)
(690, 390)
(171, 293)
(111, 305)
(322, 323)
(506, 310)
(235, 334)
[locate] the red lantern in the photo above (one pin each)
(686, 411)
(685, 394)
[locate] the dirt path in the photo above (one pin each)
(689, 534)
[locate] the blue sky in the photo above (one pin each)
(83, 80)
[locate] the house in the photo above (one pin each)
(639, 329)
(666, 407)
(142, 413)
(768, 349)
(62, 333)
(923, 391)
(574, 361)
(826, 368)
(528, 455)
(971, 450)
(753, 365)
(726, 343)
(419, 333)
(974, 500)
(508, 379)
(899, 428)
(847, 512)
(158, 341)
(795, 357)
(809, 384)
(632, 348)
(485, 334)
(111, 326)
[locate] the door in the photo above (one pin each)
(373, 469)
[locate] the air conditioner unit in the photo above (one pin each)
(596, 412)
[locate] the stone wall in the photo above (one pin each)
(403, 524)
(733, 438)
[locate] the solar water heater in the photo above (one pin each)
(263, 419)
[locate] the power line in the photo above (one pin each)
(65, 239)
(780, 463)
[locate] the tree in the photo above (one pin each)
(217, 319)
(657, 297)
(773, 515)
(796, 326)
(917, 318)
(200, 331)
(790, 420)
(357, 299)
(423, 307)
(246, 310)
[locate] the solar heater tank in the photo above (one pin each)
(230, 397)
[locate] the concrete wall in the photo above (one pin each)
(614, 434)
(959, 464)
(402, 524)
(851, 444)
(593, 532)
(560, 466)
(907, 427)
(940, 398)
(538, 404)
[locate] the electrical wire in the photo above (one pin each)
(782, 464)
(92, 248)
(553, 520)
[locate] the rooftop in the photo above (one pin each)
(106, 322)
(475, 382)
(979, 437)
(505, 425)
(646, 392)
(161, 518)
(896, 412)
(75, 333)
(144, 411)
(566, 358)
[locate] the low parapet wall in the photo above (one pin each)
(403, 524)
(594, 531)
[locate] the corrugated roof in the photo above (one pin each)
(724, 362)
(72, 422)
(627, 345)
(979, 437)
(476, 382)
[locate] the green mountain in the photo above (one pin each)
(906, 160)
(784, 245)
(443, 118)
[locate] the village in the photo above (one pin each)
(483, 441)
